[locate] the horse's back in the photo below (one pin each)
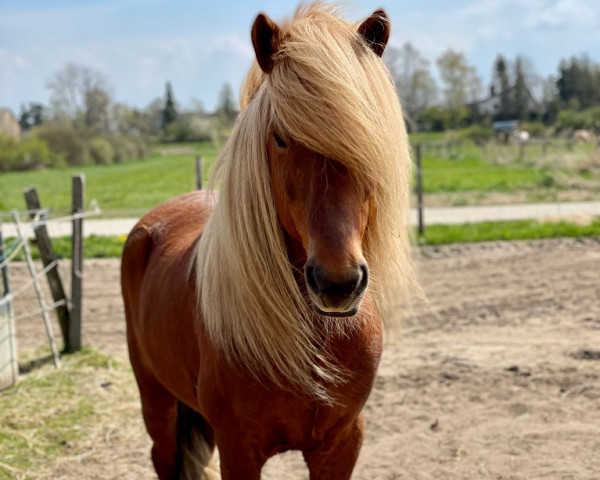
(158, 293)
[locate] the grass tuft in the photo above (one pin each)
(58, 413)
(507, 230)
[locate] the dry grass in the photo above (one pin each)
(60, 416)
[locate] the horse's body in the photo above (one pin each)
(174, 361)
(249, 323)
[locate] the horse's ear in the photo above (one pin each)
(375, 30)
(266, 40)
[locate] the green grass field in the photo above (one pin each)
(129, 188)
(502, 168)
(507, 230)
(465, 173)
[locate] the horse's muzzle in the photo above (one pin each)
(336, 295)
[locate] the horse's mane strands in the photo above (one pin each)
(328, 91)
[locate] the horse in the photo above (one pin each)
(255, 319)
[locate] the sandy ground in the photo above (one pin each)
(497, 378)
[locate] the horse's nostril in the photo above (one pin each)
(364, 277)
(309, 273)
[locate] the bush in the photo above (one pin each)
(572, 120)
(9, 153)
(101, 151)
(125, 149)
(28, 154)
(36, 154)
(535, 129)
(200, 129)
(477, 133)
(435, 119)
(177, 131)
(62, 139)
(141, 146)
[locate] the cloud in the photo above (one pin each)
(565, 14)
(140, 44)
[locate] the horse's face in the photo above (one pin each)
(322, 208)
(324, 212)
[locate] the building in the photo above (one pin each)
(491, 105)
(9, 125)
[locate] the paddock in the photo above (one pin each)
(499, 377)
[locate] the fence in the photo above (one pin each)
(67, 310)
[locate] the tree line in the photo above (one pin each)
(82, 124)
(568, 99)
(83, 98)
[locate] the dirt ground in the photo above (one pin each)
(497, 378)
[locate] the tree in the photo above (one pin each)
(501, 83)
(227, 104)
(76, 93)
(461, 84)
(415, 85)
(97, 103)
(578, 83)
(32, 116)
(169, 112)
(521, 92)
(550, 100)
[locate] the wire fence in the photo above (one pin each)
(67, 308)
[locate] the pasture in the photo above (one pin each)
(453, 174)
(496, 378)
(121, 189)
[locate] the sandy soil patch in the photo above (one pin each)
(498, 377)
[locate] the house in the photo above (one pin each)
(9, 125)
(491, 105)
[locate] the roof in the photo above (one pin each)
(505, 125)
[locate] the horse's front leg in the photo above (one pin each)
(335, 457)
(239, 457)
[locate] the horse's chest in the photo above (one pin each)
(294, 424)
(276, 421)
(273, 419)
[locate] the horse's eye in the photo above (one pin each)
(279, 141)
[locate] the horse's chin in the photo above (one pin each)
(336, 313)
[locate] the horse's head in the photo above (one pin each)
(322, 205)
(324, 213)
(319, 153)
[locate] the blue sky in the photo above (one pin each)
(198, 45)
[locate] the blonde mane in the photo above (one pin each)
(330, 92)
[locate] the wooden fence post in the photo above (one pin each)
(8, 357)
(420, 190)
(47, 254)
(199, 172)
(5, 277)
(9, 368)
(78, 188)
(521, 150)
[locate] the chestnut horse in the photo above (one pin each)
(254, 322)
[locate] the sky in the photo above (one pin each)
(198, 45)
